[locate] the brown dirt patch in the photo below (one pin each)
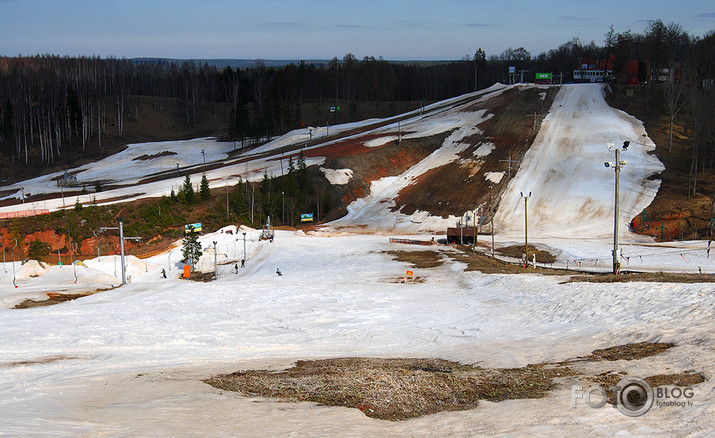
(476, 261)
(393, 389)
(42, 360)
(422, 259)
(461, 185)
(635, 351)
(51, 300)
(679, 379)
(517, 251)
(146, 157)
(610, 379)
(656, 277)
(399, 389)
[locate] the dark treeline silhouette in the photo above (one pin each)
(53, 108)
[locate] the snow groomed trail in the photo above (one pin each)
(128, 361)
(572, 192)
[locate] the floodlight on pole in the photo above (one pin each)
(526, 228)
(121, 246)
(617, 165)
(244, 246)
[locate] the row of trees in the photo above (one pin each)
(282, 198)
(57, 105)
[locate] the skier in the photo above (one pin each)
(243, 263)
(236, 267)
(163, 272)
(278, 272)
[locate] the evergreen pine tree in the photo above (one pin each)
(188, 191)
(191, 248)
(204, 192)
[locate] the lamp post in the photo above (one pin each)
(13, 264)
(121, 247)
(617, 165)
(215, 260)
(283, 196)
(244, 245)
(3, 253)
(526, 228)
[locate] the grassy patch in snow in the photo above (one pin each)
(52, 299)
(657, 277)
(400, 389)
(394, 389)
(421, 259)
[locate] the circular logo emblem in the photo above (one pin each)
(634, 396)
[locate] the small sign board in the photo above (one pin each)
(512, 69)
(197, 227)
(187, 271)
(307, 217)
(334, 109)
(410, 273)
(543, 76)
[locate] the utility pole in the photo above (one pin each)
(215, 260)
(526, 228)
(13, 263)
(3, 252)
(617, 165)
(244, 246)
(662, 228)
(121, 245)
(509, 161)
(536, 118)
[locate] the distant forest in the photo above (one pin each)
(52, 107)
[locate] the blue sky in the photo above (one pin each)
(309, 29)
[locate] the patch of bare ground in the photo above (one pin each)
(421, 259)
(635, 351)
(52, 299)
(517, 251)
(610, 379)
(393, 389)
(400, 389)
(656, 277)
(203, 277)
(146, 157)
(461, 185)
(42, 360)
(476, 261)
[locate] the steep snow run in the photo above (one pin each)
(572, 193)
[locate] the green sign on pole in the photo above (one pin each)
(543, 76)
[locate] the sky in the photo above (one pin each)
(320, 29)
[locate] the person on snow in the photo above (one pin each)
(278, 272)
(163, 272)
(236, 267)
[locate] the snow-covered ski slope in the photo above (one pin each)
(152, 169)
(572, 192)
(128, 361)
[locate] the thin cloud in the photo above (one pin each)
(706, 15)
(574, 18)
(285, 24)
(350, 26)
(476, 25)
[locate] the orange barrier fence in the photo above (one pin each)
(24, 213)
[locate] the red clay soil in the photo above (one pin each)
(461, 186)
